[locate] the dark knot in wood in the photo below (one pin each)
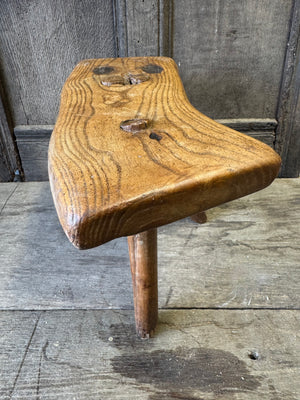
(152, 69)
(103, 70)
(155, 136)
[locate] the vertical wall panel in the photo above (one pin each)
(231, 54)
(288, 130)
(138, 27)
(40, 43)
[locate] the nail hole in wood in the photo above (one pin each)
(152, 69)
(155, 136)
(254, 355)
(103, 70)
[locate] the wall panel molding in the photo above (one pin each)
(10, 165)
(120, 23)
(166, 20)
(288, 115)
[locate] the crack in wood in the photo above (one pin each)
(8, 198)
(24, 357)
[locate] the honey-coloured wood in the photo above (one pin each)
(143, 262)
(108, 182)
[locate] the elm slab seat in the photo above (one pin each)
(129, 153)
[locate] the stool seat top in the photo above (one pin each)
(129, 152)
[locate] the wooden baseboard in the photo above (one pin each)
(33, 140)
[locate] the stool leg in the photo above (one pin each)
(143, 263)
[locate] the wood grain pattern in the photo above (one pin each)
(33, 142)
(108, 183)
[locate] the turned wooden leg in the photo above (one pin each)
(143, 263)
(200, 217)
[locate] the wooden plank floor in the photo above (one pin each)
(229, 292)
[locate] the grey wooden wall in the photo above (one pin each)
(238, 59)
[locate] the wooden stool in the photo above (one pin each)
(129, 153)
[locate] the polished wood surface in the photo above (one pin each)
(143, 262)
(170, 163)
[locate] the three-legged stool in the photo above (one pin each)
(129, 153)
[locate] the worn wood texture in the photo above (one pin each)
(223, 49)
(143, 263)
(48, 40)
(197, 354)
(109, 181)
(243, 354)
(288, 115)
(245, 256)
(231, 54)
(6, 191)
(33, 142)
(17, 331)
(226, 61)
(143, 34)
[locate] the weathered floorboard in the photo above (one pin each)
(245, 256)
(16, 333)
(196, 354)
(92, 354)
(6, 191)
